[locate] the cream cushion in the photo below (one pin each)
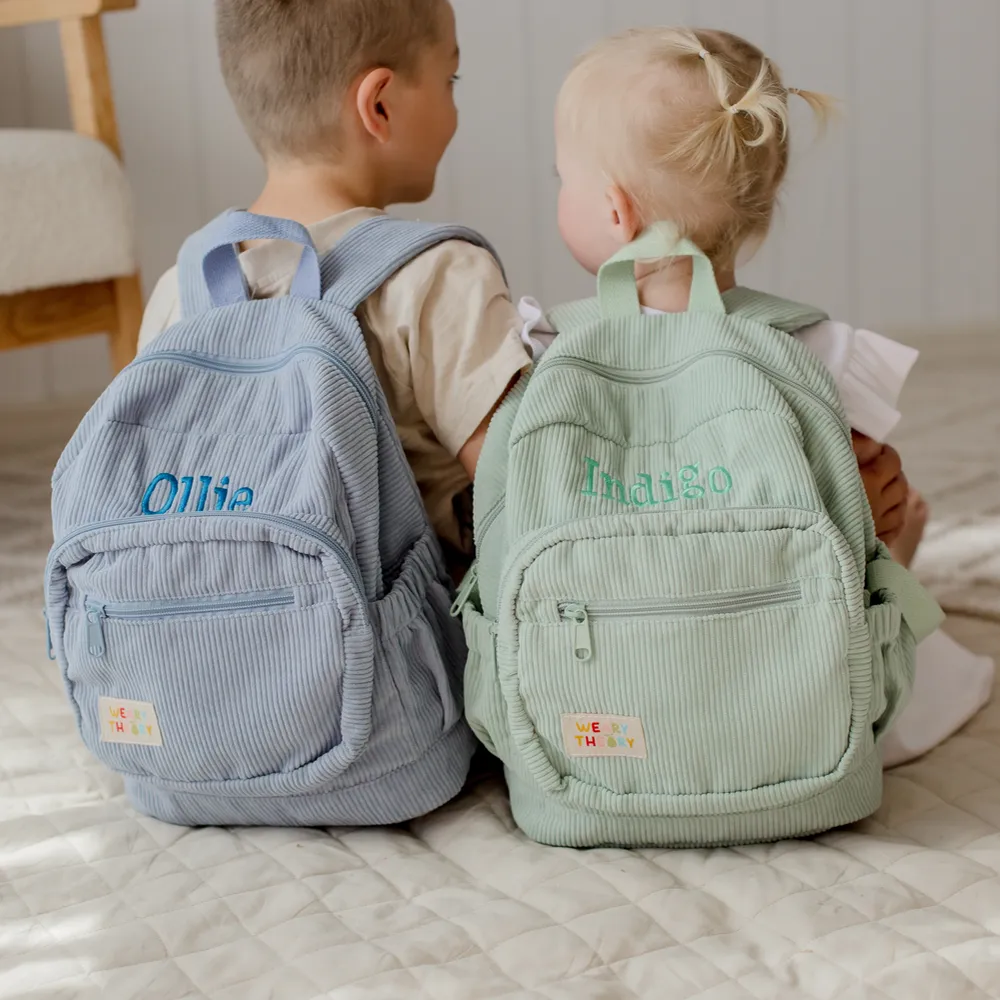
(65, 211)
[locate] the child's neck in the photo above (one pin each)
(310, 193)
(666, 286)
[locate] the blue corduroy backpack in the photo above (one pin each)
(248, 604)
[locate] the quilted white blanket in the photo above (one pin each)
(97, 902)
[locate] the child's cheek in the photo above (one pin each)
(572, 224)
(576, 228)
(564, 217)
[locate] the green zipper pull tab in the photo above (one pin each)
(583, 647)
(465, 591)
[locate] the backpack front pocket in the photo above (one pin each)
(241, 687)
(712, 675)
(267, 691)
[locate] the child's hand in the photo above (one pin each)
(865, 448)
(885, 484)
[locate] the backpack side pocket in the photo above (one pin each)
(483, 699)
(901, 614)
(893, 661)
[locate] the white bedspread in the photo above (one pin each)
(96, 902)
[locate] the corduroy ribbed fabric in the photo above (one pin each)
(671, 640)
(247, 601)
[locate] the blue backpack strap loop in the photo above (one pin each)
(208, 268)
(373, 252)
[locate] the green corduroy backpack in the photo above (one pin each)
(682, 629)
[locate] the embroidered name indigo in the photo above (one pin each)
(687, 483)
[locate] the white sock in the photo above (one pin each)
(952, 685)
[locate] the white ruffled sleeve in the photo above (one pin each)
(536, 334)
(870, 372)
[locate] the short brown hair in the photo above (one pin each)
(288, 62)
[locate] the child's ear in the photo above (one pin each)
(372, 103)
(622, 215)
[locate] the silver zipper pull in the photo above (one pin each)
(95, 629)
(583, 647)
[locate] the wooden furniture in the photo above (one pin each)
(114, 304)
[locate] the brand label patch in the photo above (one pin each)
(603, 736)
(129, 722)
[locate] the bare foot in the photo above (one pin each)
(904, 548)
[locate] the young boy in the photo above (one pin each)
(351, 104)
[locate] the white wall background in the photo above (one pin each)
(892, 221)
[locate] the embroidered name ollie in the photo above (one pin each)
(687, 483)
(167, 494)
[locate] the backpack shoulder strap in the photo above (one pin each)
(208, 269)
(781, 314)
(373, 252)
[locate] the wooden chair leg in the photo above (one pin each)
(128, 304)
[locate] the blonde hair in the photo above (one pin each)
(692, 124)
(288, 63)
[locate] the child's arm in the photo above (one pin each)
(457, 348)
(468, 457)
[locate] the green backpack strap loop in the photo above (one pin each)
(920, 610)
(616, 287)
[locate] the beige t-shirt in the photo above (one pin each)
(444, 338)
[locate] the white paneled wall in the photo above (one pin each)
(892, 220)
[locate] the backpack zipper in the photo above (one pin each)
(284, 522)
(583, 648)
(663, 374)
(233, 367)
(581, 615)
(491, 515)
(98, 612)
